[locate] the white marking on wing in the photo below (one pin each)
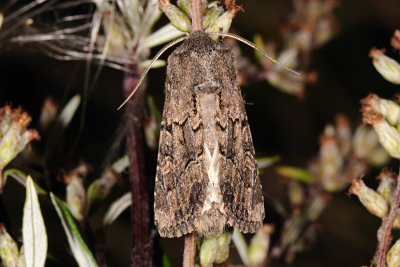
(213, 191)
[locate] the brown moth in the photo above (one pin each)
(207, 176)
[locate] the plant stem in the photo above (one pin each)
(385, 231)
(197, 15)
(189, 252)
(141, 239)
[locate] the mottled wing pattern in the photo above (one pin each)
(207, 176)
(240, 183)
(180, 178)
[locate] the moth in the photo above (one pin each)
(207, 177)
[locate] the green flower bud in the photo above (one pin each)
(177, 17)
(213, 13)
(100, 188)
(259, 245)
(343, 134)
(76, 197)
(373, 201)
(221, 24)
(295, 193)
(393, 256)
(387, 184)
(330, 161)
(214, 250)
(386, 66)
(186, 6)
(389, 137)
(366, 146)
(8, 249)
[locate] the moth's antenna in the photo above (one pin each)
(245, 41)
(159, 53)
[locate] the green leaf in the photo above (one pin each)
(33, 229)
(294, 173)
(116, 208)
(81, 252)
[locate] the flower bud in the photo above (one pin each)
(213, 13)
(393, 256)
(395, 41)
(343, 134)
(76, 197)
(295, 194)
(215, 250)
(330, 161)
(390, 110)
(100, 188)
(186, 6)
(386, 66)
(48, 113)
(223, 22)
(367, 147)
(387, 184)
(389, 137)
(8, 249)
(177, 17)
(259, 245)
(373, 201)
(14, 135)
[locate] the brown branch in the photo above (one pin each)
(141, 238)
(197, 16)
(189, 252)
(385, 231)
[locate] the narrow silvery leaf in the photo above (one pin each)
(33, 230)
(116, 208)
(161, 36)
(81, 252)
(241, 246)
(151, 14)
(121, 164)
(69, 110)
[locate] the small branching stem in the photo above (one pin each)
(197, 16)
(189, 252)
(141, 238)
(385, 231)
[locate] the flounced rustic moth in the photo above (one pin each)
(207, 176)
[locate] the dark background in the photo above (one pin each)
(281, 124)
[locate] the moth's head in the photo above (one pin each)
(199, 60)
